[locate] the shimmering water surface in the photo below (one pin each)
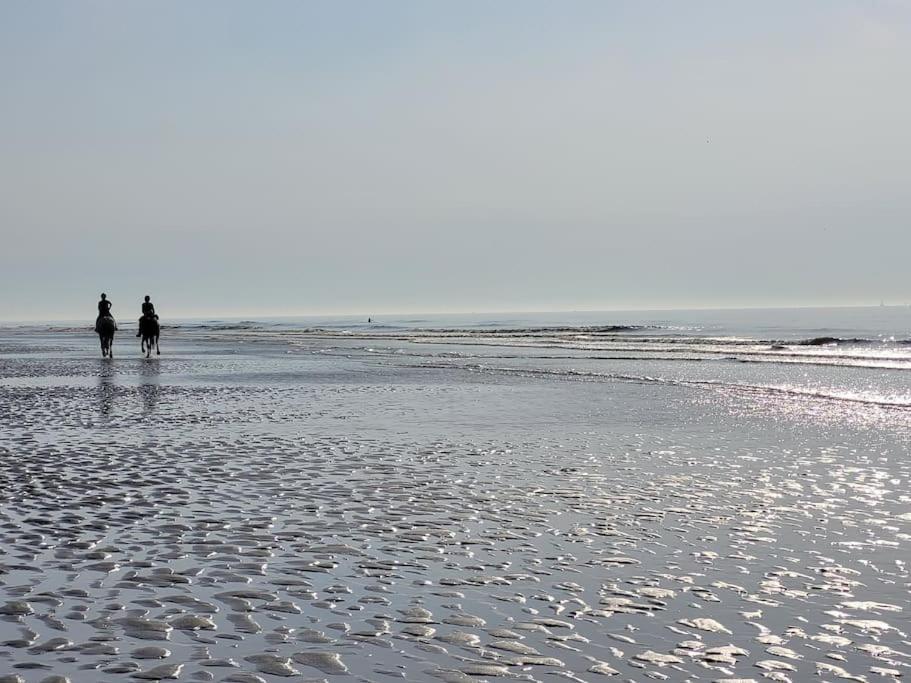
(549, 498)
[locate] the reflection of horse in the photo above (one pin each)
(149, 387)
(149, 328)
(106, 328)
(107, 388)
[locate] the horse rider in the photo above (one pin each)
(104, 310)
(148, 311)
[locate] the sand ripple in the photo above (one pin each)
(247, 532)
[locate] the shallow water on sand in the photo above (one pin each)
(243, 513)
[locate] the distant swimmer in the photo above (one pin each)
(148, 311)
(369, 320)
(104, 310)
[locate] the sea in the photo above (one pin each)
(856, 355)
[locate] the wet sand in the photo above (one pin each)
(240, 513)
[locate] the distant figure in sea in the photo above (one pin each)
(104, 310)
(148, 310)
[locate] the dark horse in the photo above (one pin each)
(106, 328)
(149, 328)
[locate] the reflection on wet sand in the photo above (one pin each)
(150, 386)
(255, 529)
(107, 386)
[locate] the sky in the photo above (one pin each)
(242, 158)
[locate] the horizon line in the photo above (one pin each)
(248, 315)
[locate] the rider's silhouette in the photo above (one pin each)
(148, 311)
(104, 309)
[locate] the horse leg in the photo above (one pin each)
(157, 347)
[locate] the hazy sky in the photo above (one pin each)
(317, 157)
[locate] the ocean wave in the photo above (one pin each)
(608, 339)
(869, 399)
(381, 328)
(832, 341)
(676, 356)
(519, 331)
(642, 334)
(633, 343)
(691, 348)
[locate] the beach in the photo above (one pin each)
(651, 498)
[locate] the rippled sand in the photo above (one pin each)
(256, 517)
